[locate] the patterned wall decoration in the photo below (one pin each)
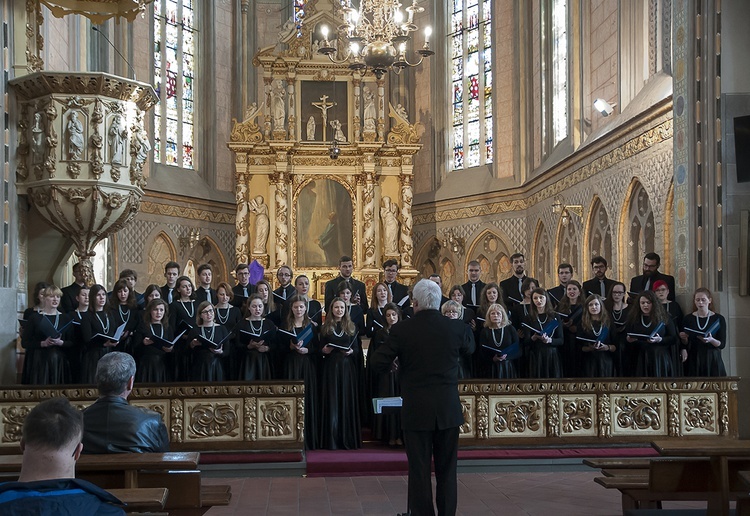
(182, 212)
(131, 239)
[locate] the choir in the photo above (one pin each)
(251, 332)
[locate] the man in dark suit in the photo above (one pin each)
(600, 283)
(564, 275)
(428, 347)
(68, 302)
(286, 289)
(346, 267)
(243, 289)
(169, 290)
(204, 291)
(399, 291)
(473, 287)
(650, 276)
(512, 292)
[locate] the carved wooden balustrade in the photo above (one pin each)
(270, 415)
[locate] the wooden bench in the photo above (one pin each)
(628, 463)
(175, 471)
(680, 479)
(142, 498)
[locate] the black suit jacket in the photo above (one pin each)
(333, 285)
(201, 295)
(511, 290)
(165, 293)
(239, 294)
(467, 291)
(428, 347)
(637, 284)
(111, 425)
(68, 302)
(592, 286)
(398, 292)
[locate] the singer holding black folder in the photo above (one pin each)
(340, 427)
(150, 352)
(703, 336)
(652, 334)
(210, 343)
(182, 317)
(44, 338)
(594, 339)
(98, 321)
(298, 342)
(498, 344)
(256, 337)
(543, 337)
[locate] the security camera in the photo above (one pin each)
(334, 150)
(604, 107)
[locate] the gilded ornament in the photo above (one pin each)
(638, 413)
(674, 415)
(605, 417)
(724, 412)
(517, 417)
(483, 417)
(13, 418)
(177, 422)
(251, 411)
(213, 420)
(699, 414)
(553, 416)
(577, 415)
(276, 419)
(468, 425)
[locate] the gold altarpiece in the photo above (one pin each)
(295, 204)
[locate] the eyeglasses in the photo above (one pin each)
(285, 275)
(208, 311)
(621, 293)
(391, 270)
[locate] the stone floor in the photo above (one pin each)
(556, 493)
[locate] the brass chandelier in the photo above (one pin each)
(378, 33)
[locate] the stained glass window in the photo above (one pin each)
(471, 83)
(554, 71)
(174, 79)
(299, 15)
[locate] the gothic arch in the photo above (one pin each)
(448, 273)
(598, 235)
(494, 252)
(568, 244)
(637, 233)
(541, 264)
(427, 257)
(208, 251)
(161, 250)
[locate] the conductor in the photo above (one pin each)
(428, 347)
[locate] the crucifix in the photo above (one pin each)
(324, 107)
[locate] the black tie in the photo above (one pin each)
(520, 287)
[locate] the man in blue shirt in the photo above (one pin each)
(51, 445)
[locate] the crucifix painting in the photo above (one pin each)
(324, 111)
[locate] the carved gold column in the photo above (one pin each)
(406, 243)
(291, 108)
(241, 247)
(357, 121)
(244, 4)
(280, 180)
(81, 149)
(369, 214)
(381, 110)
(267, 110)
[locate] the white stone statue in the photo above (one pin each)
(311, 128)
(278, 112)
(338, 134)
(262, 223)
(370, 114)
(118, 135)
(401, 110)
(252, 112)
(142, 145)
(37, 139)
(389, 217)
(75, 136)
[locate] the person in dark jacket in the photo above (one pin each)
(51, 445)
(111, 424)
(428, 347)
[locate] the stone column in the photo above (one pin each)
(406, 243)
(369, 215)
(241, 221)
(357, 109)
(381, 110)
(281, 196)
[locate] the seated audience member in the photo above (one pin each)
(51, 445)
(600, 284)
(111, 424)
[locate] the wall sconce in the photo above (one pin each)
(453, 242)
(191, 240)
(604, 107)
(564, 210)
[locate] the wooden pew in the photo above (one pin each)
(175, 471)
(142, 498)
(685, 479)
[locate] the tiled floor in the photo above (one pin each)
(508, 494)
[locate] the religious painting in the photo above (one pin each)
(324, 111)
(324, 224)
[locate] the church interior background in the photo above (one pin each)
(491, 146)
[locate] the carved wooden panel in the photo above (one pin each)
(639, 414)
(700, 414)
(517, 416)
(578, 415)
